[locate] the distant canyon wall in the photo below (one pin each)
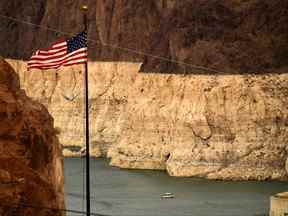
(216, 126)
(230, 36)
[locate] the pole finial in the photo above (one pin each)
(84, 8)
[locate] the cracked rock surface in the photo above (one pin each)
(30, 155)
(217, 126)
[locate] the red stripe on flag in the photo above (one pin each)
(56, 59)
(71, 59)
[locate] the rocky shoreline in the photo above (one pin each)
(182, 124)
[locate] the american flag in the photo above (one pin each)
(61, 53)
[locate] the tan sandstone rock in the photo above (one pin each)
(31, 166)
(217, 126)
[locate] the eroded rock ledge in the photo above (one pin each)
(213, 126)
(30, 155)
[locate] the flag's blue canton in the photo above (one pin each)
(77, 42)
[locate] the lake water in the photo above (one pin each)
(138, 193)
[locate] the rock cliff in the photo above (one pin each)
(226, 124)
(231, 36)
(217, 126)
(31, 174)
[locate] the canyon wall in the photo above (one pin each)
(31, 166)
(221, 113)
(229, 36)
(216, 126)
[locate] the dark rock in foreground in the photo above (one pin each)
(31, 166)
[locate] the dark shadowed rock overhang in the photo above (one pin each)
(228, 36)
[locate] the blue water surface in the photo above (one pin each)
(120, 192)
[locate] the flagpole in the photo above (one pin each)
(88, 210)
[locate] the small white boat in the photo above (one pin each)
(167, 196)
(82, 152)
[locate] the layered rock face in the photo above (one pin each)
(231, 36)
(228, 123)
(31, 174)
(220, 126)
